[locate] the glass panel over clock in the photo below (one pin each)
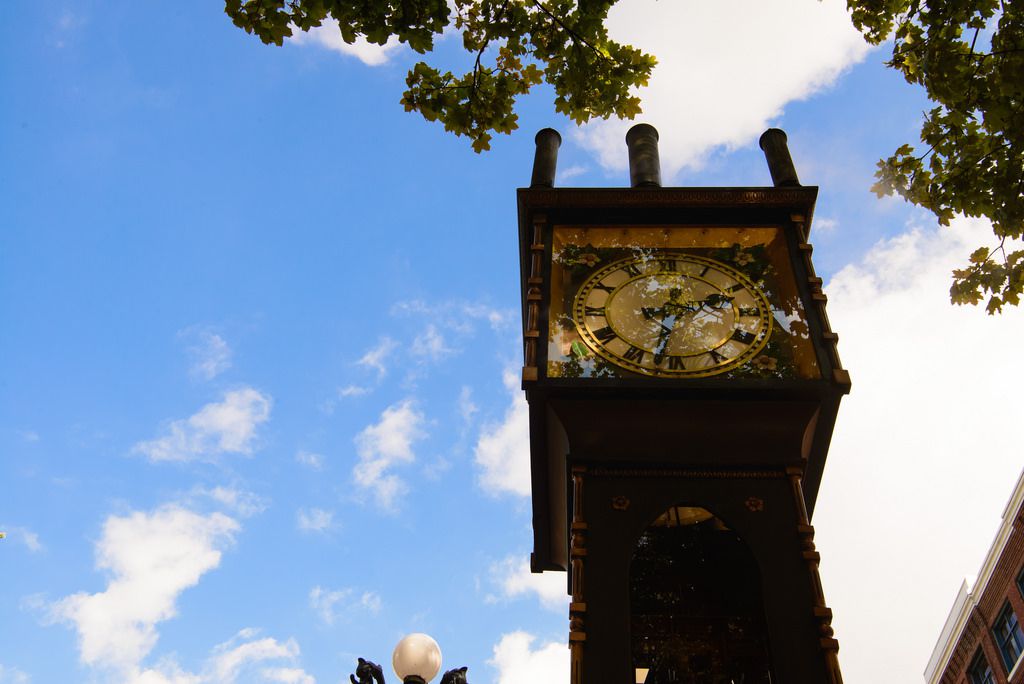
(675, 302)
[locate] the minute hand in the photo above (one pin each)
(663, 336)
(716, 301)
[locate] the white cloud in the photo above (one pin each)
(467, 408)
(287, 675)
(230, 663)
(503, 449)
(824, 225)
(356, 390)
(513, 579)
(25, 536)
(926, 438)
(310, 460)
(570, 172)
(721, 80)
(376, 358)
(430, 344)
(29, 435)
(12, 675)
(498, 319)
(329, 36)
(314, 520)
(238, 659)
(167, 671)
(516, 661)
(384, 445)
(209, 353)
(332, 604)
(244, 503)
(436, 468)
(151, 558)
(227, 427)
(229, 660)
(457, 316)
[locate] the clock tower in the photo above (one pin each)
(683, 383)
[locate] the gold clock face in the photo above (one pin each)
(672, 314)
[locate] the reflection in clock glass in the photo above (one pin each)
(675, 314)
(619, 307)
(671, 314)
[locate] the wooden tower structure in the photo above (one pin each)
(683, 384)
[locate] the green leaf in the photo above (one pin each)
(973, 152)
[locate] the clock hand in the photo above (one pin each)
(713, 304)
(716, 300)
(663, 336)
(650, 312)
(662, 313)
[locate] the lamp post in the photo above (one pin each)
(416, 660)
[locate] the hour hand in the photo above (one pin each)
(659, 314)
(715, 300)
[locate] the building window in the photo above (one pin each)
(979, 672)
(1020, 581)
(1008, 636)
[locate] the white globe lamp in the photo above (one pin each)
(417, 659)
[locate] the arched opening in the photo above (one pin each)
(696, 612)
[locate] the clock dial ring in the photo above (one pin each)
(672, 314)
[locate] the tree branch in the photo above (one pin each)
(471, 99)
(576, 38)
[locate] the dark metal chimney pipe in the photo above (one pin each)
(545, 158)
(644, 164)
(780, 164)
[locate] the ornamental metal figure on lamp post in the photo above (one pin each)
(416, 660)
(367, 673)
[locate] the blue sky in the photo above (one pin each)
(258, 405)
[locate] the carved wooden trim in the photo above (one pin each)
(829, 338)
(534, 297)
(577, 555)
(821, 612)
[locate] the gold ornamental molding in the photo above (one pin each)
(604, 471)
(667, 197)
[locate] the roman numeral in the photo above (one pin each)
(593, 311)
(605, 334)
(606, 288)
(667, 265)
(747, 311)
(743, 336)
(705, 271)
(631, 269)
(676, 363)
(733, 288)
(635, 354)
(716, 358)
